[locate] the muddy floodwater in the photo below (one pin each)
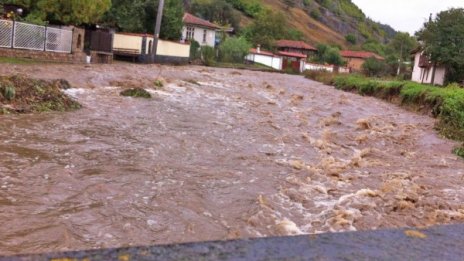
(216, 154)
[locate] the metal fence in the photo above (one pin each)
(34, 37)
(6, 33)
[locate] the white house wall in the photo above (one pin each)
(198, 36)
(424, 75)
(270, 61)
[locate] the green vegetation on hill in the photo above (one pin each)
(75, 12)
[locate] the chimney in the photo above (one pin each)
(258, 48)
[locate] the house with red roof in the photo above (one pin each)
(289, 46)
(200, 30)
(356, 59)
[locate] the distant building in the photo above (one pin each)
(264, 57)
(138, 48)
(356, 59)
(202, 31)
(301, 47)
(424, 69)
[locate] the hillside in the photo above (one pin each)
(327, 21)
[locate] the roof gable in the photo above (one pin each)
(193, 20)
(360, 54)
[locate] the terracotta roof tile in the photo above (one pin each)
(360, 54)
(254, 51)
(289, 54)
(193, 20)
(295, 44)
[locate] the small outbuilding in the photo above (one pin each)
(264, 57)
(356, 59)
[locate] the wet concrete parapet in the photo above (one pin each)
(437, 243)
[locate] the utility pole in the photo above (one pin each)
(159, 19)
(400, 60)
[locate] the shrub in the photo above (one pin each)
(194, 50)
(459, 151)
(315, 14)
(234, 50)
(136, 93)
(9, 92)
(373, 67)
(351, 38)
(320, 76)
(208, 55)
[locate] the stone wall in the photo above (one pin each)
(43, 56)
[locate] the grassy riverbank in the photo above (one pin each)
(445, 103)
(20, 94)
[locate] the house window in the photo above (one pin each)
(190, 33)
(204, 36)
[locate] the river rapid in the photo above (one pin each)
(216, 154)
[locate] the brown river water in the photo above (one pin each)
(217, 154)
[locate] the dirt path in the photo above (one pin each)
(216, 154)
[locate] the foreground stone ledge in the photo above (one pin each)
(438, 243)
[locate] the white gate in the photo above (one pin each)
(29, 36)
(6, 33)
(58, 40)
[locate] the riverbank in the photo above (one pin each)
(444, 103)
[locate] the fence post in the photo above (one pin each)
(13, 34)
(45, 40)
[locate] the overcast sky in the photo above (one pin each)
(405, 15)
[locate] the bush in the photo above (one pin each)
(373, 67)
(320, 76)
(315, 14)
(136, 93)
(208, 55)
(351, 38)
(251, 8)
(9, 92)
(194, 50)
(234, 50)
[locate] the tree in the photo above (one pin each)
(399, 50)
(75, 12)
(329, 54)
(234, 50)
(171, 27)
(138, 16)
(268, 27)
(443, 40)
(218, 11)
